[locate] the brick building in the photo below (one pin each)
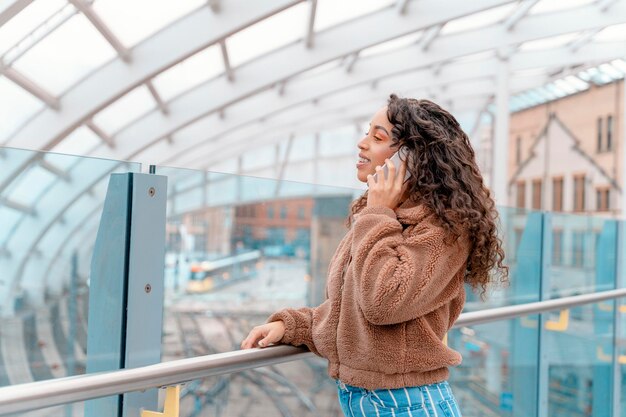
(567, 154)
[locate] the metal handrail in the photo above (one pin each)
(43, 394)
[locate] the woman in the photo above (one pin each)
(396, 281)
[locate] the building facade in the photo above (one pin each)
(566, 155)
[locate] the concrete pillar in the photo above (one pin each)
(500, 155)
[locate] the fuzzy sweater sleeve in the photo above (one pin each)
(299, 324)
(400, 278)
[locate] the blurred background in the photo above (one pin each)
(253, 109)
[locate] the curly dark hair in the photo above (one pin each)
(446, 178)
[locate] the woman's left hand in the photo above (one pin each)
(386, 192)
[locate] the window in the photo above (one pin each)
(578, 246)
(579, 192)
(599, 139)
(521, 194)
(270, 212)
(518, 150)
(197, 219)
(557, 194)
(283, 212)
(536, 194)
(602, 199)
(609, 133)
(276, 235)
(557, 247)
(301, 213)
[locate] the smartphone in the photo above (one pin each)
(397, 159)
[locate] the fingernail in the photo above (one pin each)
(261, 344)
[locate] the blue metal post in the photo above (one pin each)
(126, 287)
(603, 321)
(526, 285)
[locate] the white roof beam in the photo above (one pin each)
(157, 98)
(430, 35)
(100, 133)
(448, 48)
(262, 73)
(605, 5)
(30, 86)
(402, 6)
(214, 5)
(352, 61)
(338, 105)
(12, 10)
(229, 70)
(104, 30)
(479, 115)
(283, 164)
(340, 116)
(417, 79)
(53, 169)
(360, 105)
(201, 29)
(17, 206)
(280, 87)
(584, 39)
(310, 30)
(519, 13)
(264, 104)
(12, 166)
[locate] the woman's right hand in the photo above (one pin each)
(263, 335)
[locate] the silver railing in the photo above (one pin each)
(42, 394)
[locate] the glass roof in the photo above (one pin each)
(189, 73)
(477, 20)
(134, 21)
(66, 55)
(80, 142)
(549, 6)
(27, 189)
(58, 50)
(17, 30)
(570, 84)
(612, 33)
(392, 45)
(16, 106)
(263, 36)
(331, 12)
(127, 108)
(549, 43)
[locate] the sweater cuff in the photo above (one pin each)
(378, 210)
(290, 325)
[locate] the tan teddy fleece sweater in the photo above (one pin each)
(395, 288)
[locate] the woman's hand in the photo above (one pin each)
(386, 192)
(263, 335)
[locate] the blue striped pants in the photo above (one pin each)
(434, 400)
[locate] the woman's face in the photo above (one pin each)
(375, 147)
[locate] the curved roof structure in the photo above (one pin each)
(240, 86)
